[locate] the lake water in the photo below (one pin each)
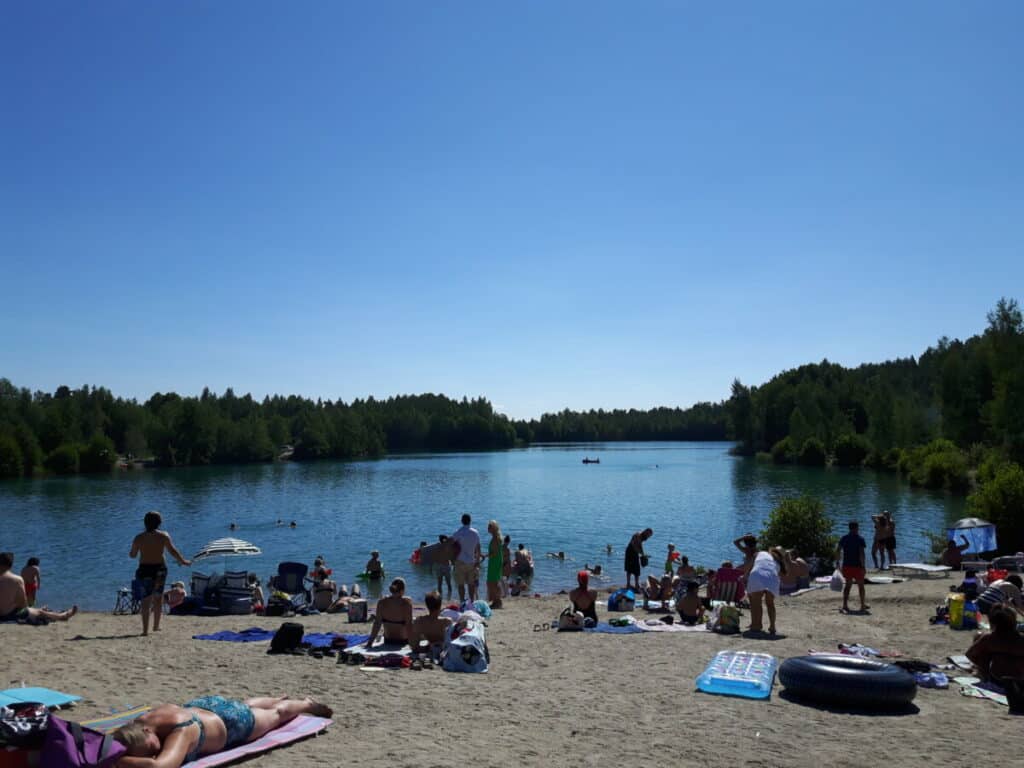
(692, 494)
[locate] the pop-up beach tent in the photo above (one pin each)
(980, 533)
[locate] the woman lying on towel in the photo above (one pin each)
(169, 736)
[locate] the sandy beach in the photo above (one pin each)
(550, 698)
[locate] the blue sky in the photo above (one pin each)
(571, 204)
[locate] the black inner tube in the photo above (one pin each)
(849, 681)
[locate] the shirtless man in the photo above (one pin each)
(879, 545)
(432, 628)
(149, 547)
(14, 603)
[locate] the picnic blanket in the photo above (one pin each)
(301, 727)
(380, 648)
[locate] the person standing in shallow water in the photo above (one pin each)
(634, 556)
(149, 547)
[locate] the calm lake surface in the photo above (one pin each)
(692, 494)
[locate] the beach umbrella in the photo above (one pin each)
(226, 548)
(981, 534)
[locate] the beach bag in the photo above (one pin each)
(644, 560)
(287, 638)
(23, 725)
(622, 600)
(726, 620)
(570, 621)
(467, 651)
(70, 745)
(837, 583)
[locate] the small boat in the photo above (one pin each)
(587, 460)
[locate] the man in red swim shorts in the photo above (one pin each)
(851, 549)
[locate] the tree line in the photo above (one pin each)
(952, 418)
(88, 429)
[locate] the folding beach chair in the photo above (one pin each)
(727, 586)
(291, 580)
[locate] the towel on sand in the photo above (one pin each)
(607, 629)
(259, 635)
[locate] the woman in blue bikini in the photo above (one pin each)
(169, 736)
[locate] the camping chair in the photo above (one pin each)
(726, 586)
(291, 580)
(235, 593)
(129, 599)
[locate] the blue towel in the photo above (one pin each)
(608, 629)
(324, 639)
(45, 696)
(258, 635)
(250, 635)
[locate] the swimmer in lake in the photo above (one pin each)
(556, 555)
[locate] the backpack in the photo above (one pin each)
(70, 745)
(622, 600)
(726, 620)
(287, 638)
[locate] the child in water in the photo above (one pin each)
(671, 559)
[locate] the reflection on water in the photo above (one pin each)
(692, 494)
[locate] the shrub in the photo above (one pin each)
(99, 455)
(939, 464)
(852, 450)
(1001, 501)
(782, 451)
(892, 458)
(763, 457)
(991, 463)
(63, 459)
(11, 461)
(801, 523)
(812, 452)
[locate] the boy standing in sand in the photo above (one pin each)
(31, 576)
(851, 549)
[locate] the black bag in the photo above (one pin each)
(287, 638)
(644, 560)
(23, 725)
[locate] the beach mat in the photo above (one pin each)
(50, 698)
(976, 689)
(607, 629)
(301, 727)
(658, 626)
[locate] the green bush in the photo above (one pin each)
(812, 452)
(11, 462)
(63, 459)
(782, 451)
(802, 524)
(939, 464)
(1001, 501)
(892, 458)
(852, 450)
(763, 456)
(99, 455)
(991, 463)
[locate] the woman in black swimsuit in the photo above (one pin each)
(393, 615)
(149, 547)
(583, 598)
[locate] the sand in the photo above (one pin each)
(550, 698)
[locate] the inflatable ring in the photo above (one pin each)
(848, 681)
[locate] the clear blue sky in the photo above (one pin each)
(570, 204)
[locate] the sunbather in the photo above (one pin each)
(430, 630)
(689, 605)
(168, 736)
(999, 653)
(14, 602)
(659, 589)
(584, 599)
(393, 615)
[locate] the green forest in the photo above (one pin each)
(952, 418)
